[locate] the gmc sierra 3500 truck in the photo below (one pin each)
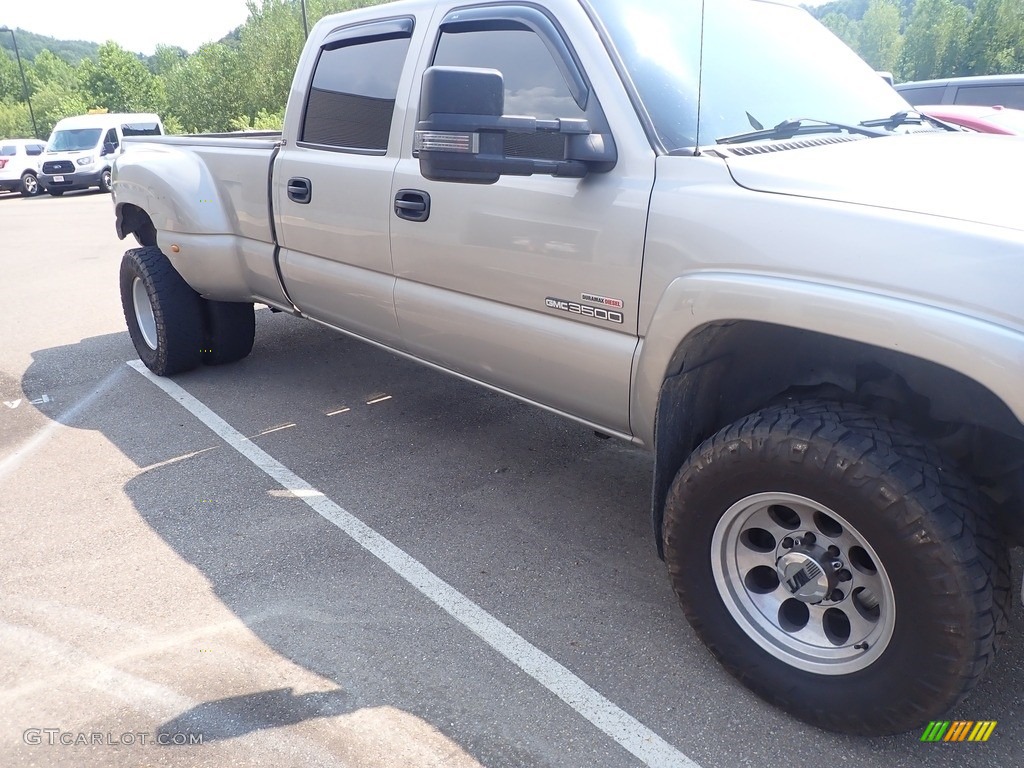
(705, 228)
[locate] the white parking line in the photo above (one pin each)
(622, 727)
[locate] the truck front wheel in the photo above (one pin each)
(163, 313)
(838, 566)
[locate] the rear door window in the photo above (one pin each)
(8, 150)
(352, 98)
(991, 95)
(140, 129)
(930, 95)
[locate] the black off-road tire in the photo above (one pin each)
(230, 331)
(928, 525)
(176, 329)
(29, 185)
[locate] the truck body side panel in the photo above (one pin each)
(493, 284)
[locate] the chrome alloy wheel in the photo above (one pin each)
(144, 313)
(803, 583)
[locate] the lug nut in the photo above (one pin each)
(836, 596)
(833, 551)
(809, 539)
(845, 575)
(787, 543)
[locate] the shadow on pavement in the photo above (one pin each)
(447, 462)
(421, 473)
(239, 715)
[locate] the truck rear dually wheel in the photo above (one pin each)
(838, 566)
(163, 313)
(230, 331)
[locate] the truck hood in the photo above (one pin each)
(954, 175)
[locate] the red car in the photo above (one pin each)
(981, 119)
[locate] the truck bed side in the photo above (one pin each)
(208, 200)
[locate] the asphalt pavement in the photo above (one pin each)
(328, 555)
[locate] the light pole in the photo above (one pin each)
(24, 82)
(305, 26)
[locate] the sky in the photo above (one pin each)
(137, 25)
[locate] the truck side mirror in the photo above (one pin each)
(461, 132)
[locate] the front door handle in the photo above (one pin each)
(412, 205)
(300, 190)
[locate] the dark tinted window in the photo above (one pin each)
(930, 95)
(534, 86)
(34, 149)
(352, 98)
(139, 129)
(111, 138)
(991, 95)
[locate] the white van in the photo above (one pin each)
(81, 149)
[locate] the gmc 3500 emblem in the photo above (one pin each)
(585, 310)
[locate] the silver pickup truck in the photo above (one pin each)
(708, 229)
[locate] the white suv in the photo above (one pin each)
(19, 165)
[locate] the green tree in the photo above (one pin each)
(1005, 51)
(264, 121)
(53, 102)
(166, 58)
(843, 27)
(15, 122)
(10, 80)
(120, 82)
(936, 40)
(205, 91)
(880, 41)
(851, 9)
(50, 70)
(271, 41)
(31, 45)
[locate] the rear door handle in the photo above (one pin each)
(300, 190)
(412, 205)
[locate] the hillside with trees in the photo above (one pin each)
(31, 45)
(931, 38)
(242, 81)
(236, 83)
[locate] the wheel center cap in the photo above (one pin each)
(803, 576)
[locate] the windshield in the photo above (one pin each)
(763, 64)
(74, 140)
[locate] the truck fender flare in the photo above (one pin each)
(694, 308)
